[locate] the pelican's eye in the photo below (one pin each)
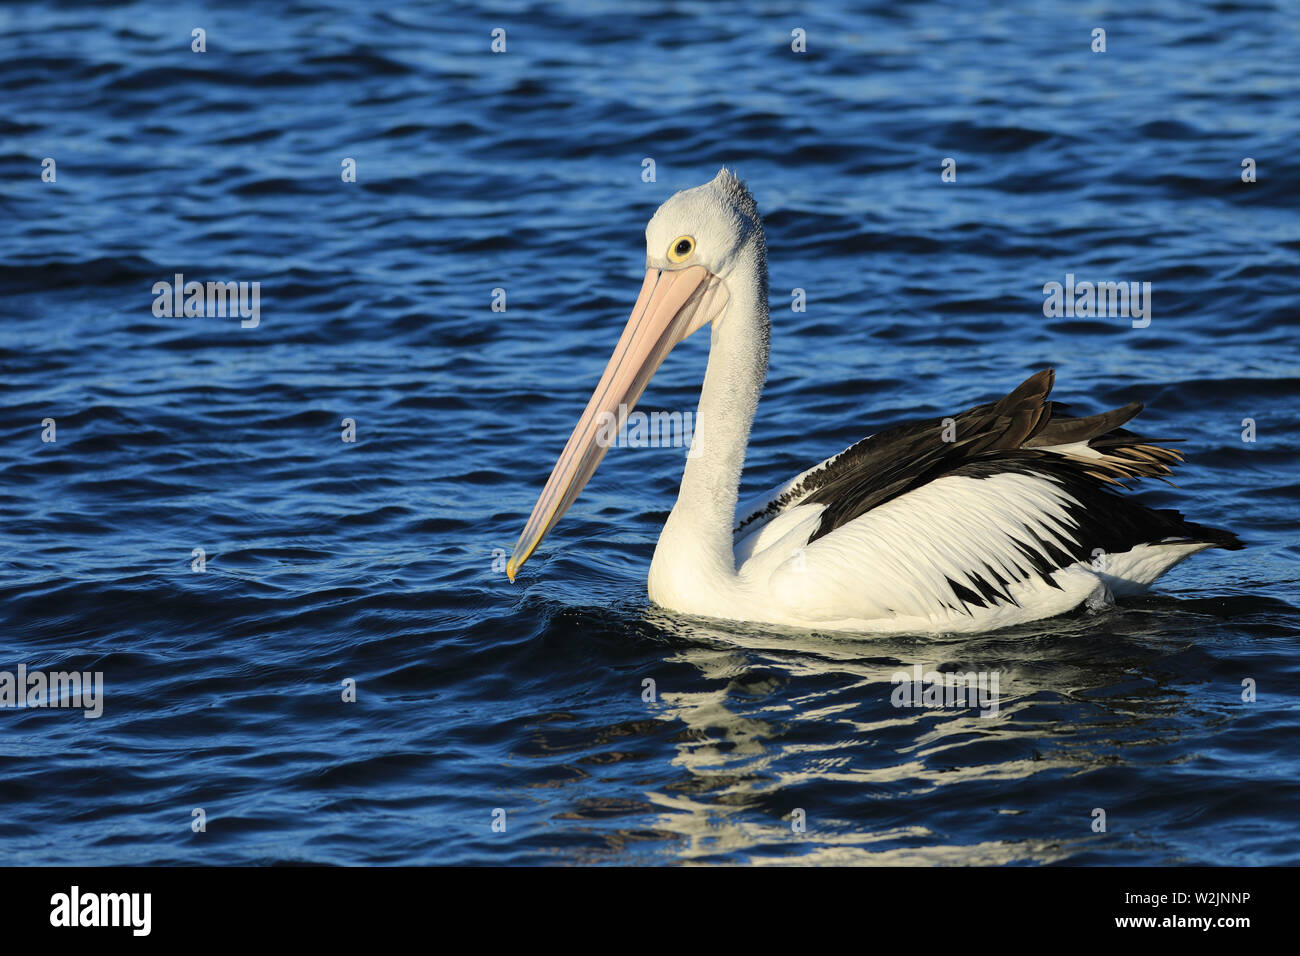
(681, 249)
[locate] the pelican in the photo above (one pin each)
(1005, 513)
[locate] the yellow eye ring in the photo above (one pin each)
(680, 249)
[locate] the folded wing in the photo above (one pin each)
(979, 510)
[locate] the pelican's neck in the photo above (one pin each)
(695, 551)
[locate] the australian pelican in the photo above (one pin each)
(1007, 512)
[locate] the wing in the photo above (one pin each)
(976, 510)
(892, 462)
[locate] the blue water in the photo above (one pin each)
(374, 560)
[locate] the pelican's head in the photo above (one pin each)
(712, 226)
(694, 243)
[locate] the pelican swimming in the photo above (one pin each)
(1004, 513)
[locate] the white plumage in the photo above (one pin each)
(1007, 512)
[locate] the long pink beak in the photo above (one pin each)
(671, 306)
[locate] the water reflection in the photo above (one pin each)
(783, 721)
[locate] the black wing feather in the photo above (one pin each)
(1012, 434)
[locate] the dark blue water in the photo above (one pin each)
(374, 560)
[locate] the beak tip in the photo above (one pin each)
(511, 571)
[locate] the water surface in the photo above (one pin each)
(379, 560)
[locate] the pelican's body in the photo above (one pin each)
(1001, 514)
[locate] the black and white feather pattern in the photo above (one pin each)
(1006, 504)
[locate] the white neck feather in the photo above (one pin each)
(694, 563)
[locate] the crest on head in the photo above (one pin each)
(736, 192)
